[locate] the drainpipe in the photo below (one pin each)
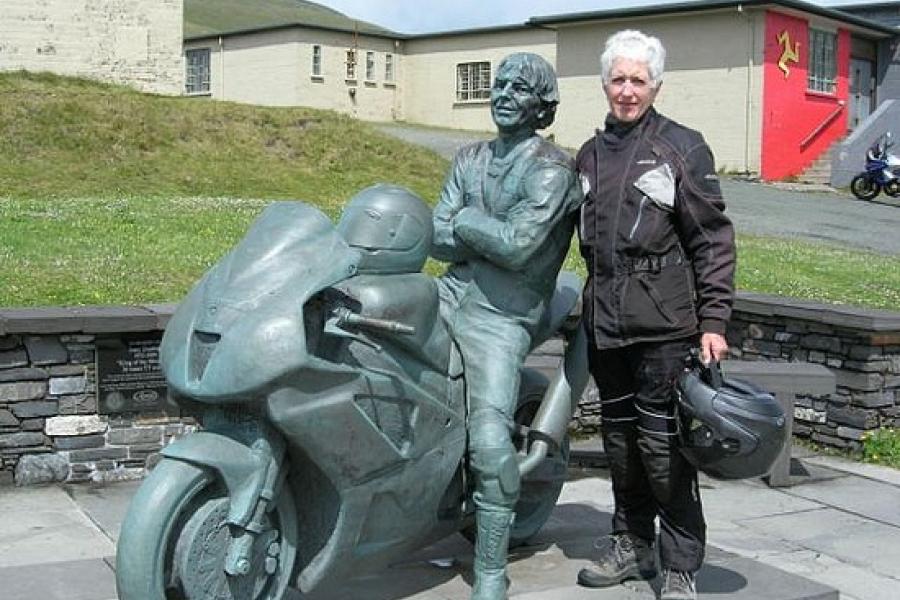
(748, 102)
(222, 66)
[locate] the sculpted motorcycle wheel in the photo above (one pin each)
(864, 188)
(173, 542)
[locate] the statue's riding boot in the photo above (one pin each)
(491, 546)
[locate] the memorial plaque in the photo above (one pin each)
(129, 378)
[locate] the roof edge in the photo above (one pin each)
(390, 35)
(688, 7)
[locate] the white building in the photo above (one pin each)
(133, 42)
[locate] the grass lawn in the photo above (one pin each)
(110, 196)
(67, 251)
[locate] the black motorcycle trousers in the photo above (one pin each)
(650, 477)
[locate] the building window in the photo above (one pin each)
(473, 81)
(317, 60)
(370, 66)
(351, 64)
(822, 61)
(196, 79)
(389, 67)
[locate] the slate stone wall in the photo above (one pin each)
(50, 429)
(861, 347)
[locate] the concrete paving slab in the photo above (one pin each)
(548, 572)
(104, 505)
(855, 583)
(859, 495)
(739, 539)
(69, 580)
(43, 525)
(838, 463)
(853, 540)
(748, 499)
(753, 552)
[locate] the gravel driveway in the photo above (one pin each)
(758, 208)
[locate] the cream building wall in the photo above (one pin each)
(712, 83)
(429, 82)
(274, 68)
(131, 42)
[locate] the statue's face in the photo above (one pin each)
(514, 103)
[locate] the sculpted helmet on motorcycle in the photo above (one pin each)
(390, 226)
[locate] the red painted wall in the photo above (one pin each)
(790, 111)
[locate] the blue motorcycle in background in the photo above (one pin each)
(882, 172)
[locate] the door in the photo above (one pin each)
(861, 88)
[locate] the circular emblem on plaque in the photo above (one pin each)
(115, 401)
(145, 397)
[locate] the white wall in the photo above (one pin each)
(429, 84)
(131, 42)
(712, 83)
(274, 68)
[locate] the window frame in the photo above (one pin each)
(389, 67)
(821, 75)
(473, 81)
(350, 65)
(191, 86)
(316, 66)
(370, 65)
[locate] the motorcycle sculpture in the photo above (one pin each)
(882, 172)
(332, 405)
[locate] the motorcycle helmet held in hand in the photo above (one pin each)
(729, 429)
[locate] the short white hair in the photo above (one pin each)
(637, 46)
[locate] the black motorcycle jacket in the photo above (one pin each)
(659, 249)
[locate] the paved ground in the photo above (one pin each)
(838, 528)
(816, 213)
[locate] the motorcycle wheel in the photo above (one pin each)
(540, 489)
(174, 538)
(864, 188)
(892, 188)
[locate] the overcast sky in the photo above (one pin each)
(418, 16)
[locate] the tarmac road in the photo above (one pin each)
(815, 213)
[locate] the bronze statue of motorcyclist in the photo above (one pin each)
(504, 222)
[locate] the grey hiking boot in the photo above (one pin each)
(678, 585)
(626, 557)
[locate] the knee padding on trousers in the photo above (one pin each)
(496, 472)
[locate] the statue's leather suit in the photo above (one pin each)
(505, 225)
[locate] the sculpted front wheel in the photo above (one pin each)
(175, 538)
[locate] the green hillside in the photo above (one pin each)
(210, 17)
(64, 137)
(110, 196)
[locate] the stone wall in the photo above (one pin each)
(52, 427)
(131, 42)
(861, 347)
